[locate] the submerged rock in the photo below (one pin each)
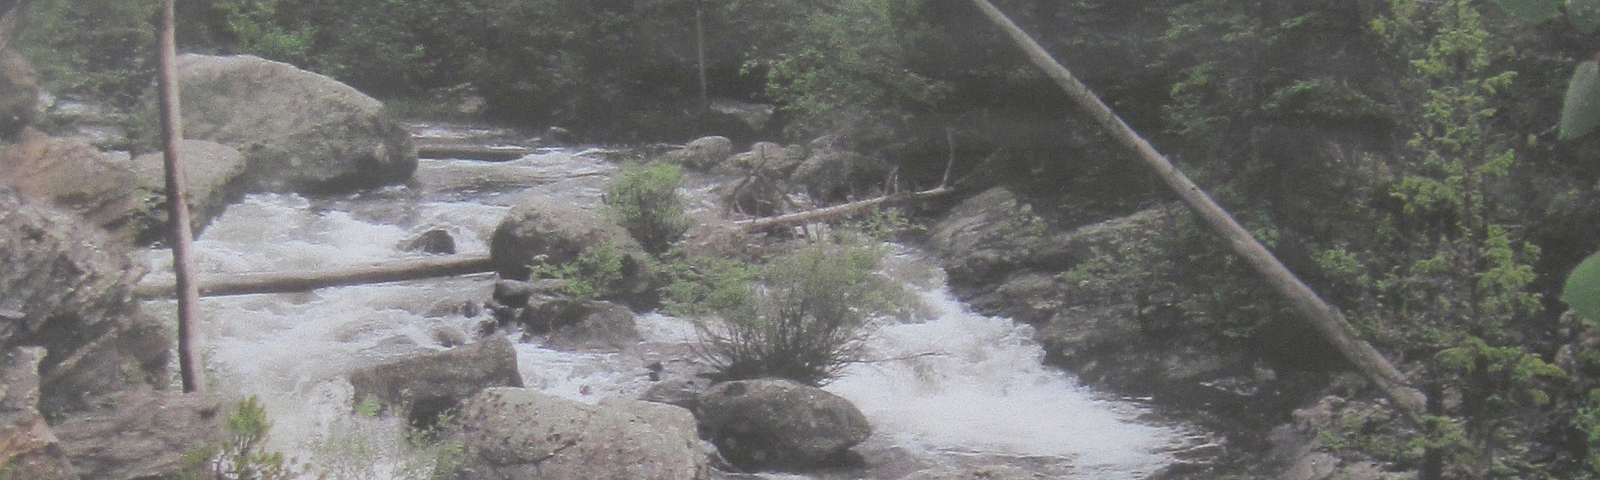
(300, 131)
(436, 241)
(427, 385)
(520, 433)
(776, 423)
(600, 325)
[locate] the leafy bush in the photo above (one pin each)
(704, 285)
(645, 200)
(242, 455)
(596, 273)
(804, 318)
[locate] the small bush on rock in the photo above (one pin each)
(594, 274)
(804, 318)
(243, 454)
(645, 200)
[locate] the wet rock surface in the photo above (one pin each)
(519, 433)
(774, 423)
(428, 385)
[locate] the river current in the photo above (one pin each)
(953, 392)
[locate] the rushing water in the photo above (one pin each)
(948, 391)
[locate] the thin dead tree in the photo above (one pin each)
(181, 234)
(1332, 324)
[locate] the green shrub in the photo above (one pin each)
(596, 273)
(645, 200)
(704, 285)
(804, 318)
(242, 454)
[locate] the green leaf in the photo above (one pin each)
(1582, 291)
(1580, 112)
(1531, 10)
(1584, 14)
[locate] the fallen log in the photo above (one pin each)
(472, 152)
(216, 285)
(843, 210)
(1327, 319)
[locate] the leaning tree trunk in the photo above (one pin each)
(181, 235)
(1334, 327)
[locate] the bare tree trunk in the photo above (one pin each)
(182, 236)
(307, 280)
(1324, 317)
(700, 47)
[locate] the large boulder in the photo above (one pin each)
(552, 232)
(427, 385)
(300, 131)
(27, 443)
(143, 434)
(67, 288)
(833, 174)
(520, 433)
(987, 236)
(72, 175)
(764, 159)
(703, 153)
(214, 177)
(776, 423)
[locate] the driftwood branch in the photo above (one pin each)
(1332, 324)
(836, 211)
(300, 281)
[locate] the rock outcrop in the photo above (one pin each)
(27, 443)
(67, 288)
(775, 423)
(72, 175)
(300, 131)
(215, 177)
(519, 433)
(427, 385)
(141, 434)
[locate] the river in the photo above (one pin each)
(967, 393)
